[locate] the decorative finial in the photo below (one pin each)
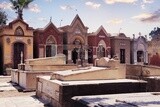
(133, 36)
(61, 22)
(50, 19)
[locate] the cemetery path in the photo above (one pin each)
(11, 95)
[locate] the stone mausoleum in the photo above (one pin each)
(139, 50)
(16, 43)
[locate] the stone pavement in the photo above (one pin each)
(22, 101)
(11, 96)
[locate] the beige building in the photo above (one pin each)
(120, 47)
(16, 42)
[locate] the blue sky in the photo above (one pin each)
(127, 16)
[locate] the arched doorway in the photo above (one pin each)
(100, 51)
(90, 55)
(50, 47)
(140, 56)
(75, 55)
(17, 48)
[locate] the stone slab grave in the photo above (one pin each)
(26, 74)
(111, 69)
(58, 93)
(118, 100)
(59, 88)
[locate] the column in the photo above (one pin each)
(135, 57)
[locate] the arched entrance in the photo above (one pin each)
(17, 48)
(140, 56)
(90, 55)
(74, 55)
(50, 47)
(100, 51)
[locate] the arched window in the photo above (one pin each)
(50, 47)
(19, 31)
(100, 51)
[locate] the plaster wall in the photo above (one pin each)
(142, 70)
(15, 76)
(27, 80)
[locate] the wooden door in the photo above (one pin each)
(122, 56)
(18, 48)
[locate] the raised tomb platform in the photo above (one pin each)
(118, 100)
(149, 73)
(26, 74)
(59, 88)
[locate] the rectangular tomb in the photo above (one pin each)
(89, 73)
(59, 93)
(118, 100)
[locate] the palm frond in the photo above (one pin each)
(27, 3)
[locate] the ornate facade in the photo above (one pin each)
(16, 42)
(139, 50)
(99, 44)
(75, 41)
(47, 41)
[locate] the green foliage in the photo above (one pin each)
(155, 33)
(19, 5)
(3, 17)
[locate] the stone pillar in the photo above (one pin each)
(69, 55)
(146, 57)
(86, 55)
(135, 57)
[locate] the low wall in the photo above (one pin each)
(151, 74)
(27, 80)
(153, 84)
(59, 93)
(15, 76)
(142, 70)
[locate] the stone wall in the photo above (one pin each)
(142, 70)
(151, 74)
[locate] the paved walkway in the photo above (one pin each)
(11, 97)
(22, 101)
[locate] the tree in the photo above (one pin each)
(155, 33)
(3, 17)
(19, 5)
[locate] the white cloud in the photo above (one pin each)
(142, 16)
(42, 19)
(119, 1)
(48, 0)
(143, 6)
(34, 8)
(148, 1)
(67, 7)
(93, 5)
(115, 21)
(5, 5)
